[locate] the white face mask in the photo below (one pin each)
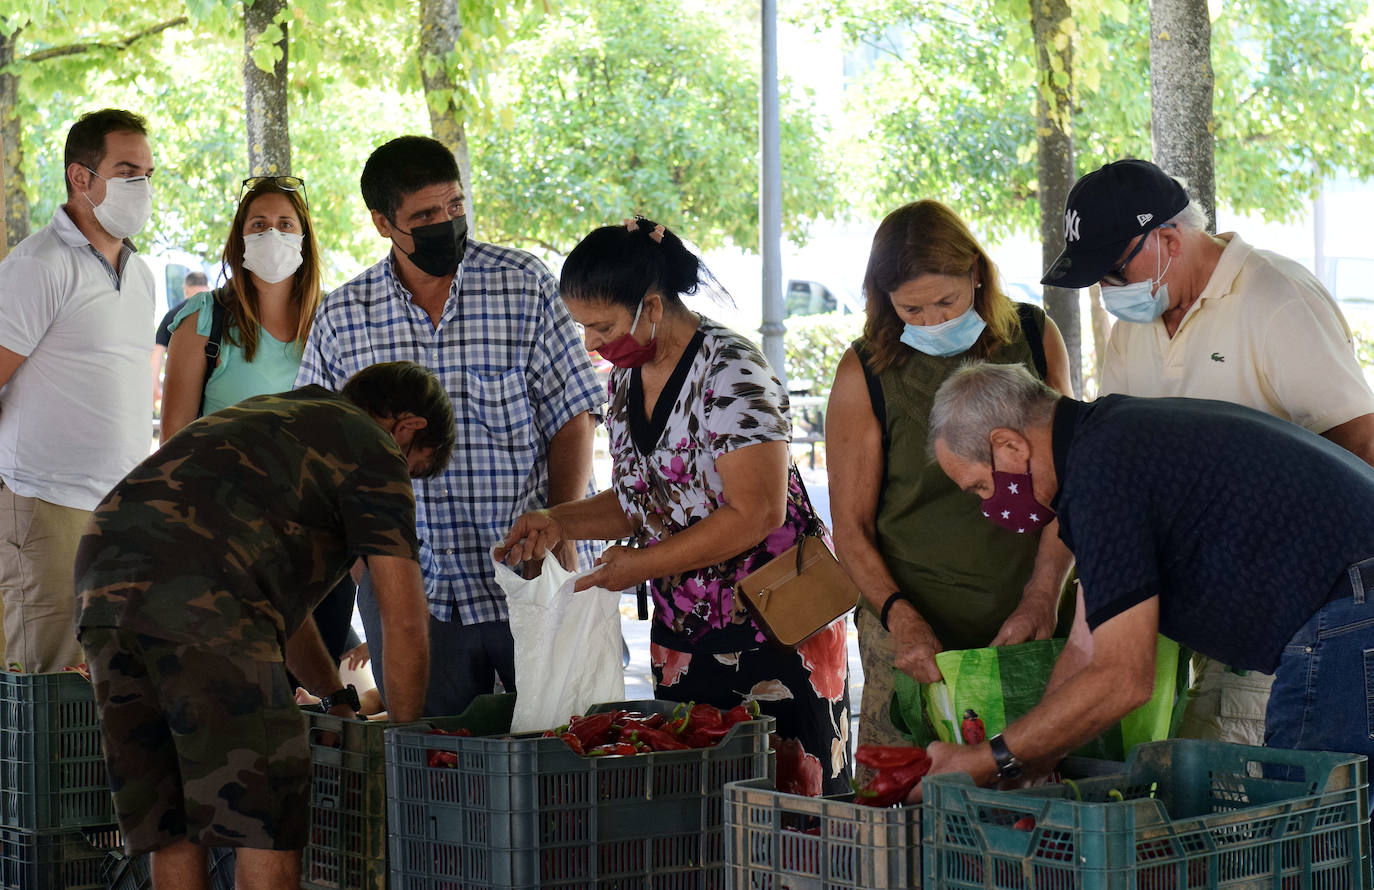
(271, 255)
(1140, 302)
(127, 207)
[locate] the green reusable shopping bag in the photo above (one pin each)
(1000, 684)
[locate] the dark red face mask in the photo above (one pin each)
(626, 351)
(1013, 505)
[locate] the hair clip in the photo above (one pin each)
(657, 233)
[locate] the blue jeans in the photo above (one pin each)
(1323, 697)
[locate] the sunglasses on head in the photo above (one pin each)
(285, 183)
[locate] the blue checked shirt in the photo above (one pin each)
(513, 363)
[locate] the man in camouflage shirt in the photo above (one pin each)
(196, 580)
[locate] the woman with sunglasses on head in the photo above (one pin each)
(265, 310)
(267, 306)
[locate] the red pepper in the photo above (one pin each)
(657, 739)
(573, 742)
(592, 730)
(656, 721)
(457, 732)
(888, 756)
(443, 758)
(891, 786)
(614, 748)
(741, 713)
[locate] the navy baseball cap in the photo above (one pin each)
(1105, 210)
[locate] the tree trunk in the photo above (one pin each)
(269, 135)
(1102, 332)
(440, 26)
(1181, 96)
(1054, 162)
(14, 204)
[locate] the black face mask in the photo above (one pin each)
(439, 247)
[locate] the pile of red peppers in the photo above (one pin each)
(898, 768)
(630, 732)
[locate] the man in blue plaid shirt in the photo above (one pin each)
(489, 321)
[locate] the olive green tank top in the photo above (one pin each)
(964, 572)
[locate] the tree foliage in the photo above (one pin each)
(621, 106)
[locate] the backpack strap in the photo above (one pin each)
(1035, 338)
(217, 313)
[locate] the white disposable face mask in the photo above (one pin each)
(127, 207)
(1140, 302)
(271, 255)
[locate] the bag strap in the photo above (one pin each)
(1035, 338)
(217, 313)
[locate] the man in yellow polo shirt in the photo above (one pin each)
(1210, 317)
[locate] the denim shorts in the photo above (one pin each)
(1323, 696)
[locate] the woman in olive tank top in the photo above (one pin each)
(934, 573)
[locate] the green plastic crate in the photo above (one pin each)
(1182, 815)
(347, 844)
(52, 770)
(526, 812)
(121, 871)
(64, 859)
(775, 840)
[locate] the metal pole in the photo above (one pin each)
(770, 194)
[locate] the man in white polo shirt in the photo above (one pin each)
(76, 305)
(1210, 317)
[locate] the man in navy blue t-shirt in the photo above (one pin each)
(1181, 514)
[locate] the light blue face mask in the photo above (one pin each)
(946, 338)
(1140, 301)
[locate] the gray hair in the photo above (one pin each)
(1193, 216)
(978, 398)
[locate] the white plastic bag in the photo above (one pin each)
(567, 645)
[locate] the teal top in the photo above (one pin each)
(273, 368)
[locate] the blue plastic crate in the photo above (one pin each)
(526, 812)
(1182, 815)
(52, 769)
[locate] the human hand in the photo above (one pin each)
(356, 657)
(619, 570)
(529, 539)
(1033, 619)
(914, 643)
(976, 760)
(566, 554)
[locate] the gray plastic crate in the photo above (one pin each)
(63, 859)
(776, 840)
(52, 770)
(347, 844)
(527, 812)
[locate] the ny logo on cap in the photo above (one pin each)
(1071, 219)
(1143, 218)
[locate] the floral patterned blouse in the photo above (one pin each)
(721, 396)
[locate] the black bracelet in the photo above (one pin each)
(346, 696)
(887, 607)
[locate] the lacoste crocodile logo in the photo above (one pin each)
(1218, 357)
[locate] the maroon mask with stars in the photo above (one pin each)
(1013, 505)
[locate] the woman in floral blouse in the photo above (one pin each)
(704, 488)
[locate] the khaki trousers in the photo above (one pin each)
(37, 548)
(1224, 706)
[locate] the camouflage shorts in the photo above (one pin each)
(200, 744)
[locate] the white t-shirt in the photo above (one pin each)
(1264, 333)
(77, 414)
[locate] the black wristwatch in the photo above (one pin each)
(1008, 767)
(345, 696)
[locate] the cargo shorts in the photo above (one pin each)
(200, 744)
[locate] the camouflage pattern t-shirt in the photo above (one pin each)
(233, 531)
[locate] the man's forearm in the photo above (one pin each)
(308, 659)
(570, 460)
